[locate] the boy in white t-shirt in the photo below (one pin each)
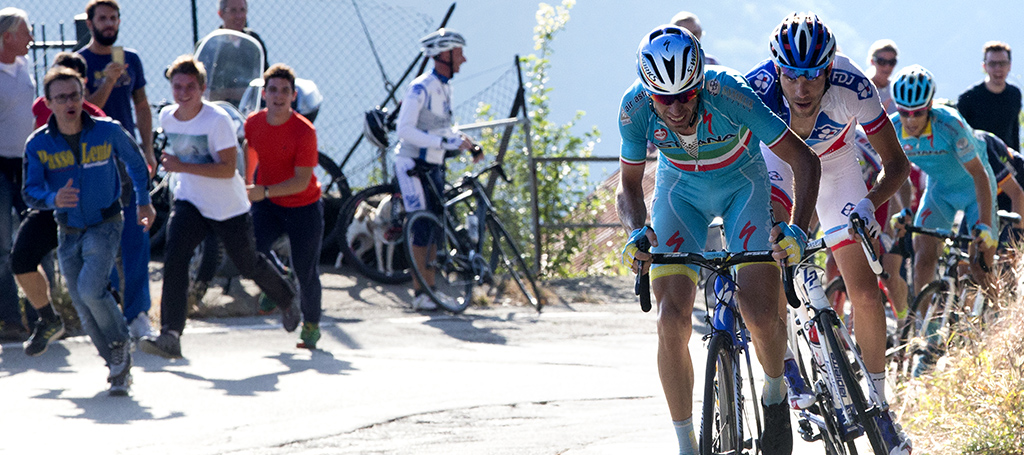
(209, 197)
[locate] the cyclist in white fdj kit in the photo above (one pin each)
(823, 96)
(425, 138)
(942, 144)
(706, 123)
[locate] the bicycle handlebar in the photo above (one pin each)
(860, 227)
(962, 242)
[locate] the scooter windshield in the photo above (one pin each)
(232, 60)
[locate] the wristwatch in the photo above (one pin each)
(266, 192)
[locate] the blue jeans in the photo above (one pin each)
(305, 228)
(134, 265)
(9, 198)
(86, 256)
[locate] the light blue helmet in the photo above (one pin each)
(670, 61)
(913, 87)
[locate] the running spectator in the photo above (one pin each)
(70, 168)
(286, 196)
(114, 86)
(882, 59)
(426, 138)
(209, 197)
(17, 89)
(705, 123)
(37, 237)
(994, 104)
(689, 21)
(824, 97)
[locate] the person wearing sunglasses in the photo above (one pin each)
(706, 123)
(883, 62)
(824, 97)
(994, 104)
(942, 144)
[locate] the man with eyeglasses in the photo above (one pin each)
(706, 124)
(70, 167)
(942, 144)
(883, 61)
(994, 104)
(824, 98)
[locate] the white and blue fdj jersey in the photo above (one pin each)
(726, 177)
(941, 151)
(425, 122)
(850, 100)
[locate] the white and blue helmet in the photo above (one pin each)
(670, 61)
(442, 40)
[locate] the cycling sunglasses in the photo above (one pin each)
(683, 97)
(809, 73)
(911, 113)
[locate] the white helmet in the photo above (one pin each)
(443, 40)
(670, 61)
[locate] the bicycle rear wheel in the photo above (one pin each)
(509, 256)
(369, 234)
(829, 327)
(444, 275)
(721, 430)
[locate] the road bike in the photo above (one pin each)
(844, 407)
(474, 255)
(725, 419)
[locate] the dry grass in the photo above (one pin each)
(973, 403)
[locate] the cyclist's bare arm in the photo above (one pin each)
(807, 169)
(629, 202)
(981, 189)
(895, 165)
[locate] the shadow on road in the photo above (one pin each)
(321, 362)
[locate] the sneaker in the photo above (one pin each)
(896, 441)
(290, 317)
(777, 436)
(140, 327)
(924, 363)
(120, 360)
(309, 336)
(800, 397)
(120, 385)
(42, 334)
(423, 302)
(166, 345)
(448, 300)
(267, 305)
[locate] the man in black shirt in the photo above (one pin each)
(234, 14)
(994, 105)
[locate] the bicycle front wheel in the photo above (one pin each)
(515, 267)
(439, 267)
(720, 429)
(829, 327)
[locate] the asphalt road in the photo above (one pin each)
(579, 378)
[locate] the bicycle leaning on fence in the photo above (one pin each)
(475, 255)
(725, 417)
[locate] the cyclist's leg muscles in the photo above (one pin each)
(862, 288)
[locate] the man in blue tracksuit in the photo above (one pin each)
(70, 168)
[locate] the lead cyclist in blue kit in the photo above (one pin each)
(824, 96)
(707, 124)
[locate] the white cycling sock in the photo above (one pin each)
(878, 380)
(684, 432)
(775, 390)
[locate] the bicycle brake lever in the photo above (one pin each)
(859, 226)
(642, 286)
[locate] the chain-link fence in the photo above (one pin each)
(355, 50)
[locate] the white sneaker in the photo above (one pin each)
(423, 302)
(140, 327)
(448, 300)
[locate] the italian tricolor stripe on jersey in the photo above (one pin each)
(713, 161)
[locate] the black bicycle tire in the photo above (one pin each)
(514, 262)
(361, 262)
(448, 275)
(828, 327)
(719, 387)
